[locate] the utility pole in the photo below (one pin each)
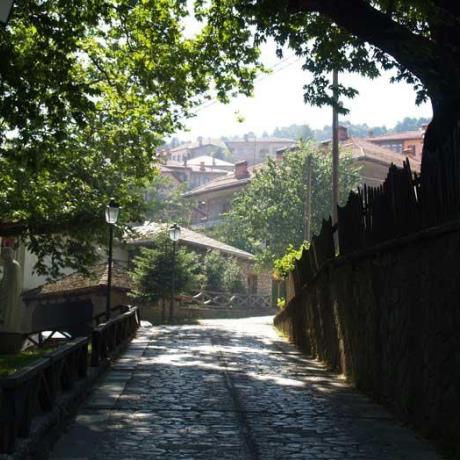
(173, 284)
(335, 146)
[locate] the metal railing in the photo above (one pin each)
(34, 390)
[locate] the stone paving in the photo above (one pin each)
(230, 389)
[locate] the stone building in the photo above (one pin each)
(408, 142)
(190, 150)
(214, 198)
(74, 300)
(374, 159)
(196, 172)
(254, 281)
(256, 150)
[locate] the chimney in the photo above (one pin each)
(241, 170)
(202, 166)
(343, 133)
(200, 140)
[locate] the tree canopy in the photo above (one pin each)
(270, 214)
(416, 39)
(88, 91)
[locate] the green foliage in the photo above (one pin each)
(281, 302)
(410, 124)
(153, 271)
(214, 265)
(269, 214)
(9, 364)
(414, 39)
(222, 273)
(294, 131)
(232, 280)
(164, 201)
(285, 264)
(88, 91)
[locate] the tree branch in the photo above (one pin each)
(424, 58)
(17, 229)
(451, 6)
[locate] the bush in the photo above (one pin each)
(214, 267)
(285, 264)
(222, 273)
(232, 281)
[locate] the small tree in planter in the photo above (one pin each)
(152, 273)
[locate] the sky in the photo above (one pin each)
(278, 101)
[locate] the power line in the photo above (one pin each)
(278, 67)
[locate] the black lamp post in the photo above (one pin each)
(111, 217)
(174, 235)
(5, 10)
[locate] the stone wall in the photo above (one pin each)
(389, 319)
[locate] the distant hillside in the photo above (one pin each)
(361, 130)
(296, 131)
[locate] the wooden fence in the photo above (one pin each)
(405, 203)
(107, 337)
(34, 390)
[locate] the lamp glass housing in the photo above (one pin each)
(5, 10)
(174, 232)
(111, 212)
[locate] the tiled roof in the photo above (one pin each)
(195, 145)
(398, 136)
(77, 283)
(147, 232)
(172, 165)
(363, 149)
(225, 182)
(261, 140)
(209, 161)
(360, 148)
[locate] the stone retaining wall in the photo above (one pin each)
(389, 319)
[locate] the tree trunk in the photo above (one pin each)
(439, 191)
(443, 133)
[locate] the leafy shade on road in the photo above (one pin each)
(88, 91)
(270, 214)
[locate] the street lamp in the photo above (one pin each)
(174, 235)
(111, 217)
(5, 10)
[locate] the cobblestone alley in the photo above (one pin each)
(229, 389)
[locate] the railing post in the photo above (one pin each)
(95, 347)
